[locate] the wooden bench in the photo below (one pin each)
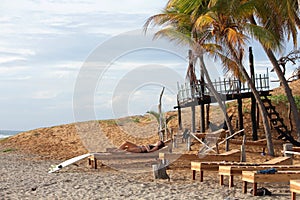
(211, 166)
(211, 162)
(121, 155)
(254, 178)
(294, 188)
(232, 171)
(214, 166)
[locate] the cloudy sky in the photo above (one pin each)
(49, 46)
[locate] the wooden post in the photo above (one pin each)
(189, 142)
(217, 148)
(243, 150)
(207, 115)
(202, 109)
(227, 144)
(240, 112)
(159, 170)
(288, 147)
(253, 101)
(179, 116)
(193, 119)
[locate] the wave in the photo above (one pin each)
(5, 133)
(4, 136)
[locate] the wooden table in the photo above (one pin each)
(254, 178)
(236, 170)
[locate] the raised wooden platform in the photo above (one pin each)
(278, 177)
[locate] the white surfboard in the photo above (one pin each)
(55, 168)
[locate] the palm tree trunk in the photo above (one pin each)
(215, 93)
(262, 110)
(287, 89)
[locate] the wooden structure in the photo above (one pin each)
(214, 166)
(229, 89)
(232, 171)
(294, 188)
(195, 93)
(278, 177)
(233, 89)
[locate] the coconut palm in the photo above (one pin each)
(222, 26)
(178, 25)
(283, 22)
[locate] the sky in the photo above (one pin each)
(63, 61)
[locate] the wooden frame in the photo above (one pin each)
(255, 178)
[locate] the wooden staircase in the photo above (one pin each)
(278, 123)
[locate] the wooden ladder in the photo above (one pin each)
(278, 123)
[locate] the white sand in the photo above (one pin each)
(26, 177)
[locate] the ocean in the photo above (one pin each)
(7, 133)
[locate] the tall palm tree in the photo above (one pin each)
(223, 27)
(179, 26)
(283, 21)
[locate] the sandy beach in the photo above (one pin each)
(25, 177)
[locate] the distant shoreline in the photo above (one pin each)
(8, 133)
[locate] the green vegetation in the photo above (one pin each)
(8, 150)
(136, 120)
(283, 99)
(111, 122)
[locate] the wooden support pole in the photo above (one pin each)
(193, 119)
(243, 150)
(286, 148)
(207, 115)
(240, 113)
(253, 101)
(179, 116)
(202, 108)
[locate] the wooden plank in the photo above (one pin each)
(232, 171)
(280, 160)
(280, 176)
(295, 186)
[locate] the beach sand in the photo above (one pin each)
(25, 176)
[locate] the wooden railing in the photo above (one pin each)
(188, 92)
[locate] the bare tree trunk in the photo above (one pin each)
(215, 93)
(262, 110)
(287, 89)
(161, 134)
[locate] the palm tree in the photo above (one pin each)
(222, 25)
(283, 22)
(179, 27)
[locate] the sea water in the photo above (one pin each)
(8, 133)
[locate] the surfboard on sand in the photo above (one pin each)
(55, 168)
